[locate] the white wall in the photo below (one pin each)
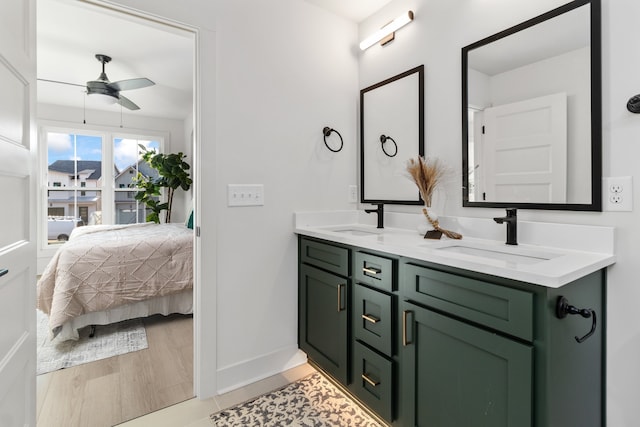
(272, 75)
(285, 70)
(440, 30)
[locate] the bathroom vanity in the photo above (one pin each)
(455, 333)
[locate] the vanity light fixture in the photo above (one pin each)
(387, 33)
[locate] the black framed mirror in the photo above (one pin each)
(391, 133)
(532, 115)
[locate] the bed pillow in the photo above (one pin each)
(189, 222)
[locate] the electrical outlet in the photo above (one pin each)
(353, 194)
(615, 188)
(617, 194)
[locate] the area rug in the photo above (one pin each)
(312, 401)
(109, 340)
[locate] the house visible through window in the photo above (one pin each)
(128, 160)
(91, 178)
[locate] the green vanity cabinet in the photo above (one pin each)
(461, 375)
(374, 332)
(479, 350)
(323, 306)
(423, 344)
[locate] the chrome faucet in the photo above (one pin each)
(380, 211)
(512, 225)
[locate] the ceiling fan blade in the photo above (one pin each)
(127, 103)
(59, 82)
(129, 84)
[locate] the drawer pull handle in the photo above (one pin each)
(374, 271)
(3, 271)
(369, 380)
(405, 340)
(370, 318)
(340, 286)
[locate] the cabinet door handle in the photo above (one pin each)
(370, 318)
(3, 271)
(340, 286)
(405, 340)
(374, 271)
(369, 380)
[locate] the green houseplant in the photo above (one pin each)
(173, 173)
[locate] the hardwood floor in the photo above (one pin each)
(110, 391)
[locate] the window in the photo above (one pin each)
(55, 211)
(70, 156)
(91, 175)
(128, 160)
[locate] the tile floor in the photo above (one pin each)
(195, 412)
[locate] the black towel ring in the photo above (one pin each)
(383, 139)
(327, 132)
(633, 105)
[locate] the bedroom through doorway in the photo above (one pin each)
(134, 376)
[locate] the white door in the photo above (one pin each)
(17, 239)
(525, 151)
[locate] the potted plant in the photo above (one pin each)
(173, 173)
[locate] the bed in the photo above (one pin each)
(109, 273)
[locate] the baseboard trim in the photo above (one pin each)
(249, 371)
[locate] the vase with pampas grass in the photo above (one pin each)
(428, 175)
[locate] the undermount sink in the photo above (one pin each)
(357, 231)
(514, 254)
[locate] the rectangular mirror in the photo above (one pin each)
(531, 108)
(391, 133)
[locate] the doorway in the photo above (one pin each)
(76, 107)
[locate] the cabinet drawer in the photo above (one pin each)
(498, 307)
(375, 271)
(373, 318)
(373, 380)
(325, 256)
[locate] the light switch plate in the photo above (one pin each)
(245, 195)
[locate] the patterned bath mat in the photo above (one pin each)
(109, 340)
(310, 402)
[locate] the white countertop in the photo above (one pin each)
(570, 251)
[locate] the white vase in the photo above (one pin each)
(423, 223)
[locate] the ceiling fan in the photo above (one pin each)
(110, 91)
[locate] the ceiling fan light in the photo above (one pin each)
(103, 98)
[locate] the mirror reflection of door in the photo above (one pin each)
(555, 53)
(474, 143)
(525, 151)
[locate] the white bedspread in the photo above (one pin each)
(105, 266)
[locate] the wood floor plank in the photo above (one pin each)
(103, 408)
(121, 388)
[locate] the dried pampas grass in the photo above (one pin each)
(427, 174)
